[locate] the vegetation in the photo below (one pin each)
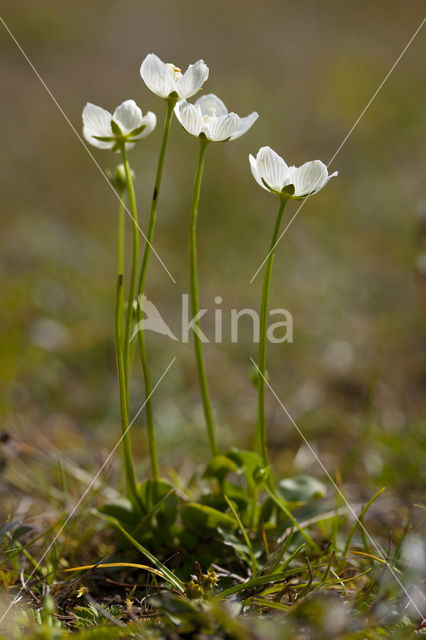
(217, 512)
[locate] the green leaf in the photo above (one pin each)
(237, 493)
(104, 138)
(152, 492)
(301, 489)
(249, 462)
(284, 507)
(268, 187)
(116, 129)
(239, 548)
(122, 510)
(167, 574)
(20, 532)
(137, 131)
(198, 516)
(260, 581)
(288, 190)
(219, 467)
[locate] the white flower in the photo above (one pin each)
(273, 174)
(126, 124)
(166, 79)
(210, 118)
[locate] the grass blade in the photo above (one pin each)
(281, 504)
(166, 573)
(359, 520)
(253, 561)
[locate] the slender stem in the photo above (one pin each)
(134, 270)
(132, 490)
(194, 299)
(253, 508)
(156, 193)
(120, 240)
(261, 435)
(359, 521)
(141, 288)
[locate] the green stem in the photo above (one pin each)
(134, 270)
(284, 508)
(261, 434)
(141, 288)
(132, 490)
(359, 521)
(195, 305)
(121, 232)
(253, 508)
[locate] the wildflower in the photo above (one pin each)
(273, 174)
(168, 81)
(124, 126)
(209, 118)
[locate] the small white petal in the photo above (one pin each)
(332, 175)
(190, 117)
(177, 109)
(272, 168)
(192, 80)
(222, 128)
(211, 105)
(245, 124)
(128, 116)
(97, 122)
(256, 176)
(309, 178)
(157, 76)
(149, 121)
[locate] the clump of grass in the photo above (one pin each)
(262, 580)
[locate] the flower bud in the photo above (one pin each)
(117, 177)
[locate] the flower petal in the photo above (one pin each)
(157, 76)
(149, 121)
(211, 105)
(245, 124)
(309, 178)
(256, 176)
(272, 168)
(128, 116)
(97, 122)
(190, 117)
(222, 128)
(332, 175)
(192, 80)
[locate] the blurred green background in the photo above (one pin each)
(350, 269)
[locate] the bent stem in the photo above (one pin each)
(141, 288)
(208, 415)
(133, 273)
(261, 426)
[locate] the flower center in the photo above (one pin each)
(175, 72)
(209, 117)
